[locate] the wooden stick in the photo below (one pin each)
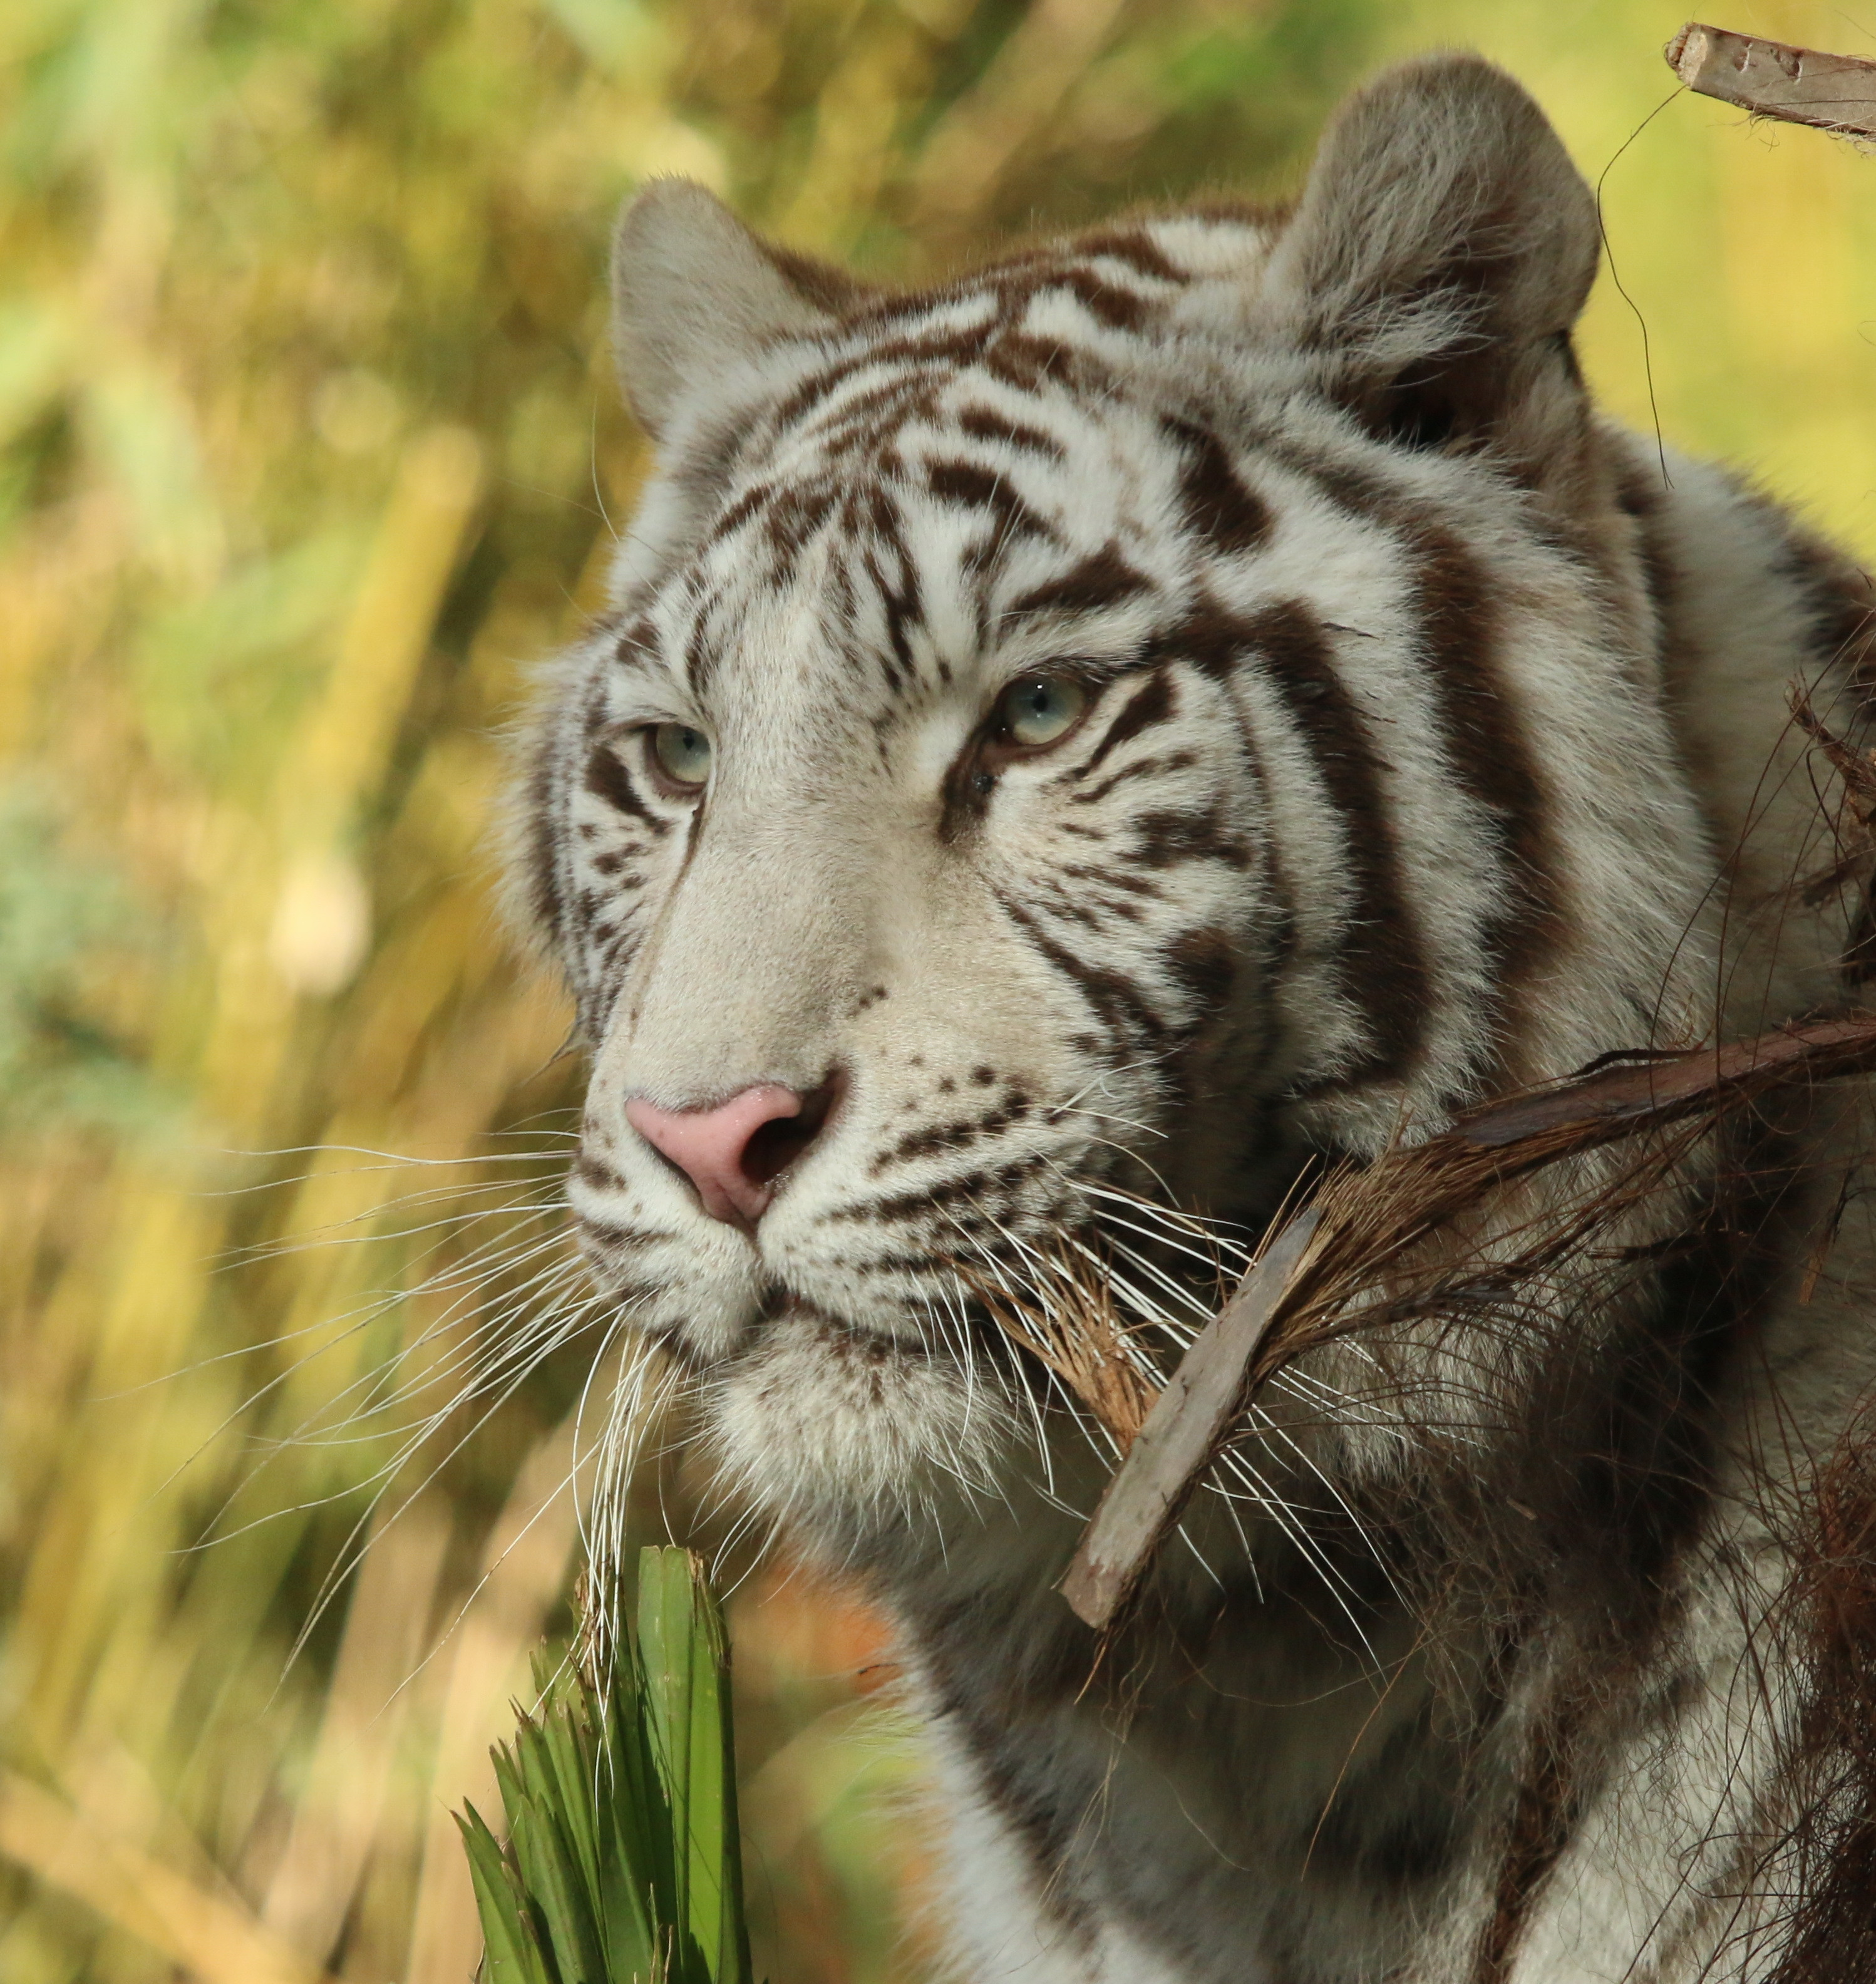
(1180, 1435)
(1215, 1380)
(1774, 79)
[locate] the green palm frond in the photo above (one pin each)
(623, 1861)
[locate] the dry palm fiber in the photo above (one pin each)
(1365, 1261)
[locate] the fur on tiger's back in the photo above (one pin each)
(1075, 749)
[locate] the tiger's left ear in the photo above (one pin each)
(1440, 254)
(694, 291)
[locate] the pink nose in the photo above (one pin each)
(734, 1153)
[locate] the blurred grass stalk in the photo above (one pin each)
(624, 1859)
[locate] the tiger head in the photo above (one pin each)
(1098, 731)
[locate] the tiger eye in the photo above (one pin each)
(1039, 709)
(683, 754)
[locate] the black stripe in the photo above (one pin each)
(1140, 768)
(1204, 963)
(1114, 309)
(1231, 518)
(1101, 579)
(1838, 600)
(971, 1187)
(1138, 251)
(951, 1136)
(977, 487)
(1676, 655)
(1149, 705)
(1840, 608)
(1116, 1001)
(640, 639)
(1111, 878)
(607, 778)
(546, 896)
(592, 1169)
(746, 506)
(1480, 728)
(1168, 839)
(797, 513)
(946, 348)
(866, 422)
(983, 424)
(1382, 961)
(1029, 363)
(1041, 1792)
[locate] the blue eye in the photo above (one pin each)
(683, 754)
(1039, 709)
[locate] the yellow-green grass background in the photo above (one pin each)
(308, 446)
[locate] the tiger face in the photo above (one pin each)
(1073, 737)
(927, 871)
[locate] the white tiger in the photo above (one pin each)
(1179, 702)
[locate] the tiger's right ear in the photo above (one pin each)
(694, 291)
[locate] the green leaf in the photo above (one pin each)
(541, 1846)
(686, 1663)
(513, 1955)
(624, 1861)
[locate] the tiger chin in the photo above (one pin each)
(1069, 751)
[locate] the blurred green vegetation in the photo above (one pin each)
(308, 449)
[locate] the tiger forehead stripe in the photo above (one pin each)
(987, 423)
(1103, 579)
(973, 486)
(1229, 516)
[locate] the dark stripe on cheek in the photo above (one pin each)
(1121, 1005)
(1140, 768)
(1204, 963)
(1168, 840)
(1484, 739)
(1383, 964)
(1149, 705)
(1483, 735)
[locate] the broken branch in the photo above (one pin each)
(1772, 79)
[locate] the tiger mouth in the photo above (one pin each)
(782, 1307)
